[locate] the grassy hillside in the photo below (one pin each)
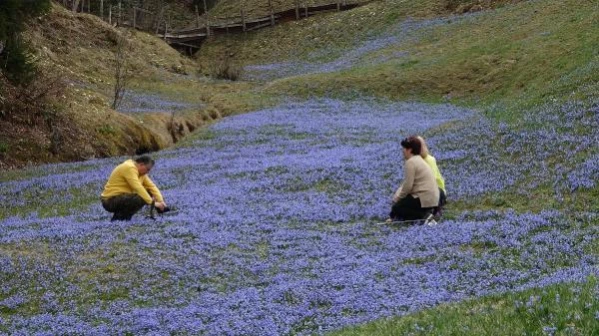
(524, 52)
(333, 32)
(261, 8)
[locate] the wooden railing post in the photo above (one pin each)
(110, 15)
(159, 18)
(243, 17)
(119, 19)
(207, 19)
(197, 17)
(338, 5)
(165, 28)
(297, 9)
(102, 9)
(272, 14)
(306, 8)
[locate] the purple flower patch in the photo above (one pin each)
(276, 230)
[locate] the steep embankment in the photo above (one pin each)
(516, 51)
(331, 34)
(526, 52)
(76, 53)
(256, 8)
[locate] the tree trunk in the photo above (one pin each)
(75, 5)
(207, 19)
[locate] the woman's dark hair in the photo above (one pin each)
(146, 160)
(412, 143)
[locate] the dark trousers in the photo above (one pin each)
(123, 206)
(408, 208)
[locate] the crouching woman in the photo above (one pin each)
(418, 194)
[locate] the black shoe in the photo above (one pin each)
(166, 209)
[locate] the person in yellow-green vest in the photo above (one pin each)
(432, 162)
(129, 188)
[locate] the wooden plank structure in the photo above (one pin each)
(206, 25)
(194, 37)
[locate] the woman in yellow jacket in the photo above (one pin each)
(432, 162)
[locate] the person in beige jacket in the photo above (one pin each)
(419, 193)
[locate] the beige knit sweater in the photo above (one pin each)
(419, 182)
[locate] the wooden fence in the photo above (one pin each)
(205, 25)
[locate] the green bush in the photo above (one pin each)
(3, 147)
(15, 59)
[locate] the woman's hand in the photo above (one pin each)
(160, 205)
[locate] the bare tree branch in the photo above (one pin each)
(121, 73)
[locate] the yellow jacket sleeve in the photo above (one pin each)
(149, 185)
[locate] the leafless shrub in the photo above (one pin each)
(30, 101)
(225, 69)
(121, 70)
(36, 104)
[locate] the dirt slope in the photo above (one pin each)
(76, 56)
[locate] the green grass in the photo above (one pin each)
(41, 171)
(505, 61)
(570, 308)
(43, 202)
(306, 39)
(517, 57)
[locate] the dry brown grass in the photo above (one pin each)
(79, 49)
(335, 31)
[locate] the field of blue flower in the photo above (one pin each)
(276, 229)
(276, 232)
